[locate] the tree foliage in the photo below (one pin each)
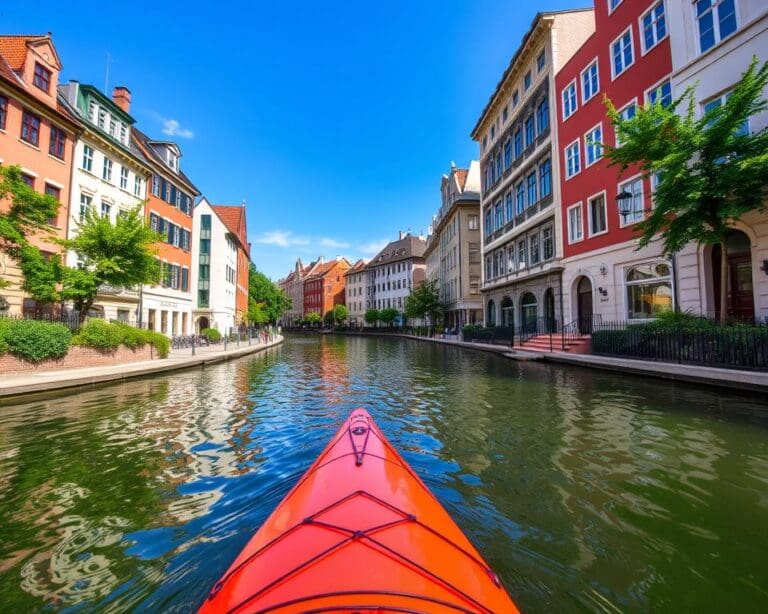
(256, 314)
(313, 318)
(340, 314)
(388, 315)
(372, 316)
(264, 291)
(115, 254)
(424, 302)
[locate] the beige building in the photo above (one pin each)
(453, 247)
(354, 293)
(520, 191)
(711, 49)
(293, 285)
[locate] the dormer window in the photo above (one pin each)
(42, 78)
(102, 120)
(173, 160)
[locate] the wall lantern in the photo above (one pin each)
(603, 291)
(624, 201)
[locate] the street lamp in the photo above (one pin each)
(624, 202)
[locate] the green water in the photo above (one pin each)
(586, 491)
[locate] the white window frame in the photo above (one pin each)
(641, 28)
(590, 231)
(540, 69)
(625, 271)
(613, 8)
(571, 238)
(656, 86)
(596, 64)
(615, 75)
(577, 142)
(633, 101)
(587, 163)
(575, 98)
(715, 23)
(124, 174)
(626, 221)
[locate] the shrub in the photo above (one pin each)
(99, 334)
(158, 340)
(213, 335)
(34, 341)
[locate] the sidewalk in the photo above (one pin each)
(45, 381)
(712, 376)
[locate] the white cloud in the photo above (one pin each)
(280, 238)
(171, 127)
(371, 248)
(326, 242)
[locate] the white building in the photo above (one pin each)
(109, 176)
(214, 266)
(354, 293)
(711, 49)
(394, 272)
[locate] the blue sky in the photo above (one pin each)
(333, 120)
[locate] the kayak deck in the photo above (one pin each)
(359, 532)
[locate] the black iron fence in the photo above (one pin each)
(69, 319)
(735, 347)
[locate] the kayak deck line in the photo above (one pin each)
(305, 550)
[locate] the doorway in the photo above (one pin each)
(740, 296)
(584, 305)
(549, 311)
(528, 306)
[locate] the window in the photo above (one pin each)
(547, 243)
(716, 20)
(621, 52)
(30, 128)
(493, 132)
(520, 197)
(154, 222)
(101, 122)
(485, 142)
(137, 185)
(533, 245)
(572, 161)
(58, 142)
(112, 126)
(156, 186)
(518, 139)
(527, 81)
(542, 115)
(85, 205)
(42, 77)
(590, 82)
(124, 178)
(541, 61)
(714, 103)
(634, 187)
(575, 224)
(521, 254)
(530, 131)
(661, 93)
(29, 180)
(626, 113)
(593, 145)
(612, 4)
(532, 197)
(545, 178)
(498, 216)
(504, 115)
(52, 190)
(3, 111)
(515, 98)
(87, 158)
(106, 208)
(510, 206)
(654, 26)
(598, 222)
(507, 153)
(106, 171)
(570, 103)
(649, 290)
(488, 223)
(123, 133)
(499, 167)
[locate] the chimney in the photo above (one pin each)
(122, 98)
(402, 235)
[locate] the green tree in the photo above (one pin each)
(313, 318)
(263, 290)
(29, 214)
(372, 316)
(119, 254)
(710, 170)
(256, 314)
(340, 314)
(388, 315)
(424, 302)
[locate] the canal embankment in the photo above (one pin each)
(46, 381)
(756, 381)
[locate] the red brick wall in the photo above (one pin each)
(78, 357)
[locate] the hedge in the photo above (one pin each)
(212, 334)
(110, 336)
(34, 341)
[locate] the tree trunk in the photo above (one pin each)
(723, 283)
(85, 307)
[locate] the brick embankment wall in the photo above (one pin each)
(78, 357)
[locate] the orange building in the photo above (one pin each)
(37, 135)
(324, 288)
(233, 217)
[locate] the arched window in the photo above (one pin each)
(507, 312)
(491, 317)
(528, 306)
(649, 290)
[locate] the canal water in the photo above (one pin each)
(586, 491)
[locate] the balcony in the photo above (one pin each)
(117, 291)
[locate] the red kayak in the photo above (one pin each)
(359, 532)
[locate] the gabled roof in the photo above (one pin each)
(357, 267)
(403, 249)
(233, 217)
(326, 267)
(13, 47)
(145, 145)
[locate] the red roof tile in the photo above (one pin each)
(461, 177)
(233, 217)
(14, 48)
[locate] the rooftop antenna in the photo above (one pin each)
(106, 75)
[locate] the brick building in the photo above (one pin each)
(324, 288)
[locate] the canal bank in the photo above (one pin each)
(755, 381)
(47, 381)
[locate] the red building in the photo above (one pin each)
(628, 60)
(324, 288)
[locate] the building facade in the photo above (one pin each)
(453, 248)
(109, 177)
(354, 291)
(214, 283)
(711, 47)
(324, 287)
(234, 218)
(520, 201)
(167, 307)
(39, 136)
(627, 59)
(293, 285)
(394, 272)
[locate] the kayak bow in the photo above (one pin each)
(359, 532)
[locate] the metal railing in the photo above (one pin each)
(69, 319)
